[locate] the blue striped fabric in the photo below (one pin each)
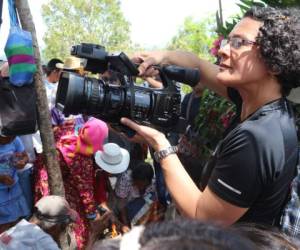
(21, 66)
(19, 51)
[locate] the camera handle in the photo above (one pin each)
(171, 73)
(189, 76)
(166, 81)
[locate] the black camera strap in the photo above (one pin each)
(188, 109)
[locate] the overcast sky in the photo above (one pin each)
(153, 23)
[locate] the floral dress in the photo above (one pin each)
(78, 179)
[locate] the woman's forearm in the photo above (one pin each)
(180, 185)
(182, 188)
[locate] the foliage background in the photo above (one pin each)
(72, 22)
(197, 37)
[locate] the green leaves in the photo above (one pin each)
(244, 5)
(195, 36)
(247, 4)
(92, 21)
(282, 3)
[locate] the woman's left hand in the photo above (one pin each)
(153, 137)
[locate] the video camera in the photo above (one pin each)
(159, 108)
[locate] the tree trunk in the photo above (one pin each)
(45, 127)
(49, 151)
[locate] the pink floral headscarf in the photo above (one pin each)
(89, 140)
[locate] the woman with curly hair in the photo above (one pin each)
(249, 174)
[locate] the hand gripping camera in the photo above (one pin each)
(159, 108)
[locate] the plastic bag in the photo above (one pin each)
(19, 51)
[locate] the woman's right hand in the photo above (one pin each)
(6, 180)
(147, 60)
(152, 137)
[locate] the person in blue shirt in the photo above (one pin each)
(12, 201)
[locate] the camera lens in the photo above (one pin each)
(69, 89)
(80, 95)
(110, 102)
(84, 95)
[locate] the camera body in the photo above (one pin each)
(159, 108)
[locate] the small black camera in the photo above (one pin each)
(159, 108)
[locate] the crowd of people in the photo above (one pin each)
(113, 187)
(102, 171)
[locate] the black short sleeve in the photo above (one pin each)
(235, 177)
(256, 162)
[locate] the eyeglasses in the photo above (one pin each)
(236, 42)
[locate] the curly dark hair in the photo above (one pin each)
(191, 234)
(279, 43)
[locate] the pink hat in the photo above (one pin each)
(90, 139)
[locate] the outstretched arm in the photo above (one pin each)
(208, 70)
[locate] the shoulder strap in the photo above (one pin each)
(13, 16)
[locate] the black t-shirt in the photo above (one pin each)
(256, 161)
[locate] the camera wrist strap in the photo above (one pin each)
(188, 108)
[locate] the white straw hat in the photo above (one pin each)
(112, 159)
(71, 63)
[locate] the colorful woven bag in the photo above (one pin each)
(19, 51)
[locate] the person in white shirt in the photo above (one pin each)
(51, 80)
